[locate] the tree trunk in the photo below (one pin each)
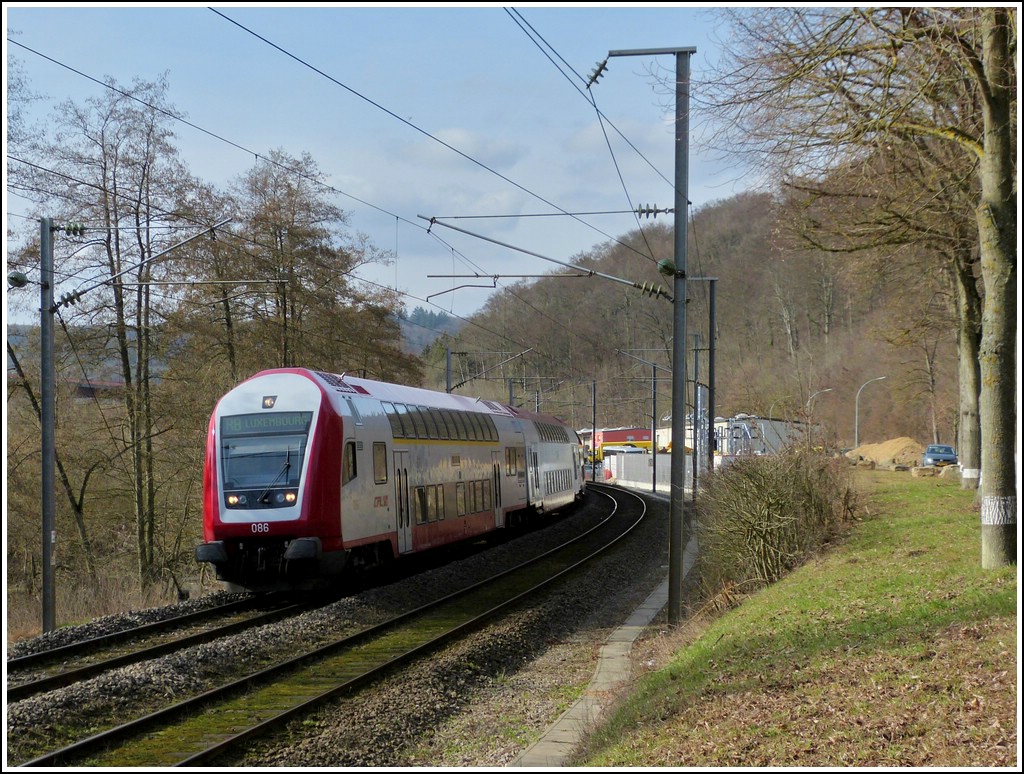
(997, 229)
(968, 342)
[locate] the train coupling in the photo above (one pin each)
(303, 548)
(214, 552)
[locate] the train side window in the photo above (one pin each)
(442, 431)
(472, 429)
(467, 418)
(354, 411)
(460, 498)
(428, 419)
(487, 496)
(440, 502)
(396, 423)
(431, 503)
(348, 463)
(510, 461)
(420, 427)
(492, 431)
(421, 504)
(406, 421)
(380, 463)
(461, 433)
(449, 422)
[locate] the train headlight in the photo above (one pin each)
(290, 497)
(235, 499)
(279, 498)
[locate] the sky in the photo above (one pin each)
(476, 115)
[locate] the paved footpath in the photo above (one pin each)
(613, 668)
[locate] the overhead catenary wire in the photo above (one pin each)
(258, 156)
(419, 129)
(602, 120)
(288, 169)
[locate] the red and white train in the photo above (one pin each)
(307, 473)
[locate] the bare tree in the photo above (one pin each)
(808, 91)
(112, 166)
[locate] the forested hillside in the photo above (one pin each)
(788, 324)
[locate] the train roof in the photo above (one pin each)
(400, 393)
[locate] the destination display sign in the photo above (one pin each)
(278, 422)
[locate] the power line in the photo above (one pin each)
(422, 131)
(314, 180)
(298, 173)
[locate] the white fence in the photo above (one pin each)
(638, 471)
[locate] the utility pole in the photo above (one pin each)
(696, 415)
(711, 369)
(711, 375)
(593, 435)
(48, 412)
(677, 270)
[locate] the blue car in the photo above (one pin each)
(937, 455)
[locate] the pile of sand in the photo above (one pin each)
(897, 451)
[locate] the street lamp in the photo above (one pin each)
(827, 389)
(856, 411)
(809, 424)
(772, 407)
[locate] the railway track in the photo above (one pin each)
(48, 670)
(199, 729)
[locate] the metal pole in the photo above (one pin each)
(677, 515)
(48, 412)
(711, 377)
(696, 416)
(676, 544)
(856, 411)
(593, 436)
(809, 424)
(448, 369)
(654, 428)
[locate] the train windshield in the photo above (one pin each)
(263, 451)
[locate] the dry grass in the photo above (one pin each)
(77, 603)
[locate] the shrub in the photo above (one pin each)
(761, 516)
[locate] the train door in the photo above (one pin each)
(496, 477)
(534, 465)
(404, 515)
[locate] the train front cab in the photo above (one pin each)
(271, 505)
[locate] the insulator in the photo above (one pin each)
(597, 73)
(650, 289)
(74, 229)
(67, 299)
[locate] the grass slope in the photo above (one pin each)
(892, 648)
